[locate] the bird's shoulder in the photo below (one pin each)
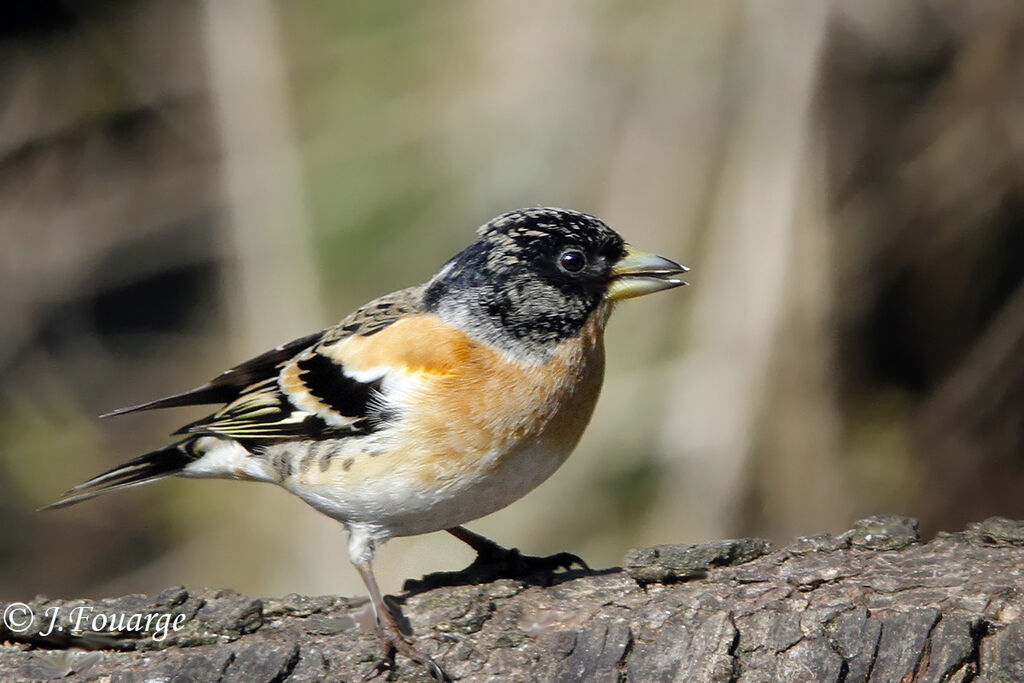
(392, 335)
(377, 315)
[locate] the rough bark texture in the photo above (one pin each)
(874, 604)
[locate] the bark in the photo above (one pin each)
(873, 604)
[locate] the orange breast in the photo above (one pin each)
(477, 402)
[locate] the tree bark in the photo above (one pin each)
(873, 604)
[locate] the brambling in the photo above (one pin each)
(428, 407)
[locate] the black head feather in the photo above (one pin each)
(531, 279)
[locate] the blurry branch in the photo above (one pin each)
(989, 375)
(272, 273)
(742, 293)
(973, 422)
(925, 123)
(274, 290)
(800, 423)
(92, 157)
(970, 163)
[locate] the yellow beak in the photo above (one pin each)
(638, 273)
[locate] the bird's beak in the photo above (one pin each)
(638, 273)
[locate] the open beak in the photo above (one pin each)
(638, 273)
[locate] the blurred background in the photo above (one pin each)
(185, 183)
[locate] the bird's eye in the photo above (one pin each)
(572, 260)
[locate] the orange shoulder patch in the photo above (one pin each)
(419, 343)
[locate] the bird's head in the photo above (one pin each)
(534, 277)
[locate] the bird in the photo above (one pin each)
(426, 408)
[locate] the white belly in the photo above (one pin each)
(400, 503)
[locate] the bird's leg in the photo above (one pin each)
(361, 547)
(390, 634)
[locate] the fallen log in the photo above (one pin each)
(874, 604)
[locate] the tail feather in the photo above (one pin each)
(143, 469)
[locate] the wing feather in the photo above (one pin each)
(230, 384)
(281, 411)
(306, 392)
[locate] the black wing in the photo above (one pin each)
(230, 384)
(266, 413)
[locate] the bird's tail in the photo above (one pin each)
(143, 469)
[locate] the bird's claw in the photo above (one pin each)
(392, 643)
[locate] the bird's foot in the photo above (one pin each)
(392, 642)
(495, 562)
(509, 563)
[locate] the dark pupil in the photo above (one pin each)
(572, 261)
